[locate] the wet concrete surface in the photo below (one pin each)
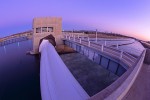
(91, 76)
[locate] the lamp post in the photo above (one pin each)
(96, 35)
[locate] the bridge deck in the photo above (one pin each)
(140, 90)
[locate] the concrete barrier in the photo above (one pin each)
(119, 88)
(147, 57)
(113, 65)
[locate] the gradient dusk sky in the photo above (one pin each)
(129, 17)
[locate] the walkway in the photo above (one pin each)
(91, 76)
(141, 87)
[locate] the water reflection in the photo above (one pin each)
(19, 72)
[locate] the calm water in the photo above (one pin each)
(19, 73)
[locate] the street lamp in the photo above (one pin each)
(96, 35)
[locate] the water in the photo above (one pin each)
(19, 72)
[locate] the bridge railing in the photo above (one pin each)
(120, 88)
(125, 57)
(13, 40)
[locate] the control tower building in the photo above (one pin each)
(43, 27)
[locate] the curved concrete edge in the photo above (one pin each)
(124, 88)
(120, 87)
(56, 81)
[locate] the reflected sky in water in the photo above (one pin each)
(19, 72)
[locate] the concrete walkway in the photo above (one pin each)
(141, 87)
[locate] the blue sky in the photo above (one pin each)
(129, 17)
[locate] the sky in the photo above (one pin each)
(128, 17)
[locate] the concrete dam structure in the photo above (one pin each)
(123, 57)
(119, 62)
(57, 82)
(110, 56)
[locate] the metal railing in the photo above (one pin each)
(13, 40)
(125, 57)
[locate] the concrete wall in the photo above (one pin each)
(118, 89)
(147, 57)
(108, 63)
(54, 22)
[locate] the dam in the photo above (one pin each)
(111, 55)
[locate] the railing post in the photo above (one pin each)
(117, 46)
(121, 54)
(88, 39)
(5, 49)
(18, 44)
(74, 37)
(65, 36)
(105, 43)
(96, 35)
(102, 48)
(69, 37)
(80, 40)
(89, 43)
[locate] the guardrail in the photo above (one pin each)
(125, 57)
(13, 40)
(118, 89)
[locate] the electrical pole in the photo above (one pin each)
(96, 35)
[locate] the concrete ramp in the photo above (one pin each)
(57, 82)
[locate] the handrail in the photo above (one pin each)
(13, 40)
(125, 57)
(118, 89)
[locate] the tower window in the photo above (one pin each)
(44, 29)
(38, 30)
(50, 29)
